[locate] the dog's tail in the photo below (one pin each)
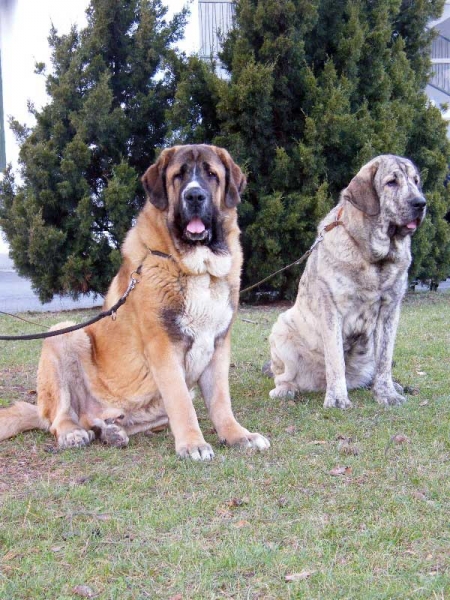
(21, 416)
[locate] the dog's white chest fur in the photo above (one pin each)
(207, 315)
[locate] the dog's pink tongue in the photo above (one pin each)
(196, 226)
(412, 225)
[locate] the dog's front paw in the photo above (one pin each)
(201, 451)
(77, 438)
(388, 395)
(252, 440)
(335, 400)
(390, 399)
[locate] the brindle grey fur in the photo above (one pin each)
(340, 333)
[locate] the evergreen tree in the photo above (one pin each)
(110, 86)
(316, 89)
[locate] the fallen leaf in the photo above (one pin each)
(10, 555)
(418, 495)
(420, 372)
(242, 523)
(84, 591)
(56, 548)
(340, 471)
(346, 446)
(282, 502)
(298, 576)
(399, 438)
(81, 480)
(103, 517)
(424, 403)
(411, 390)
(177, 597)
(318, 442)
(235, 502)
(291, 429)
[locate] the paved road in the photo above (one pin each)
(16, 295)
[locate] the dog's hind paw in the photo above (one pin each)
(337, 401)
(77, 438)
(398, 387)
(266, 369)
(109, 433)
(113, 435)
(284, 390)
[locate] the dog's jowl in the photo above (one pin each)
(136, 373)
(341, 331)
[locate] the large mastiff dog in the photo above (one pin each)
(136, 373)
(340, 333)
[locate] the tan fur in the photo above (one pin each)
(21, 416)
(136, 373)
(341, 330)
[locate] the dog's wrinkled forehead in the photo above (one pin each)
(398, 168)
(195, 163)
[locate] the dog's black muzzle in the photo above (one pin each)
(418, 206)
(416, 214)
(196, 214)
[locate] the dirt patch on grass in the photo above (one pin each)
(25, 465)
(17, 383)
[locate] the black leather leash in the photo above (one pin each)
(111, 312)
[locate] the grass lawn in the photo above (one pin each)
(345, 504)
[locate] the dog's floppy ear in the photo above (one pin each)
(235, 179)
(361, 191)
(154, 179)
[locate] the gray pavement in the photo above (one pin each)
(17, 295)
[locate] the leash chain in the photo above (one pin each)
(302, 259)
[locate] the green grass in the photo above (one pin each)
(139, 523)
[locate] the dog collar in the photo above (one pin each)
(158, 253)
(336, 222)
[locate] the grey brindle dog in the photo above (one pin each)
(340, 333)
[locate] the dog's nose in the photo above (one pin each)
(195, 195)
(418, 202)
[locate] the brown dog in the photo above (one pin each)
(136, 373)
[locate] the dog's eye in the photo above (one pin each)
(178, 176)
(391, 182)
(211, 174)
